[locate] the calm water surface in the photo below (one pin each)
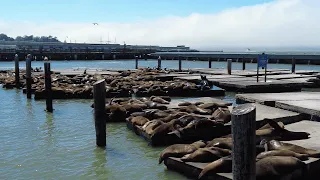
(40, 145)
(130, 64)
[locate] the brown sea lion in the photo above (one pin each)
(222, 165)
(279, 167)
(198, 103)
(173, 116)
(282, 152)
(166, 98)
(222, 114)
(277, 145)
(149, 126)
(139, 120)
(154, 105)
(184, 104)
(159, 100)
(164, 128)
(207, 154)
(224, 143)
(196, 110)
(268, 126)
(179, 150)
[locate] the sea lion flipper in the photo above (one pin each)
(274, 124)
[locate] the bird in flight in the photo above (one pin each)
(95, 23)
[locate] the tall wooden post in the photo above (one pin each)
(137, 61)
(243, 127)
(229, 66)
(99, 95)
(243, 63)
(209, 59)
(180, 63)
(16, 70)
(28, 75)
(159, 62)
(293, 70)
(48, 90)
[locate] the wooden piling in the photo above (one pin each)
(180, 63)
(243, 63)
(99, 96)
(243, 119)
(28, 75)
(293, 70)
(48, 90)
(137, 61)
(159, 62)
(209, 62)
(229, 66)
(16, 70)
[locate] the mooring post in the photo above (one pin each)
(243, 125)
(28, 75)
(99, 96)
(229, 66)
(137, 61)
(209, 59)
(293, 70)
(48, 90)
(16, 70)
(159, 62)
(243, 63)
(180, 63)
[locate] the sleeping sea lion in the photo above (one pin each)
(164, 128)
(277, 145)
(268, 126)
(149, 126)
(195, 109)
(179, 150)
(207, 154)
(154, 105)
(166, 98)
(224, 143)
(222, 114)
(222, 165)
(282, 152)
(139, 120)
(159, 100)
(278, 167)
(184, 104)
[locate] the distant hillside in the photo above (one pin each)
(4, 37)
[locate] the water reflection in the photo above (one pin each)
(99, 165)
(30, 110)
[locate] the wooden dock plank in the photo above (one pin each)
(192, 169)
(262, 87)
(311, 107)
(270, 98)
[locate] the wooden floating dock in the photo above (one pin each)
(262, 112)
(193, 169)
(301, 102)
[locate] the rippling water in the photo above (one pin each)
(40, 145)
(130, 64)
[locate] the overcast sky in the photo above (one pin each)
(201, 24)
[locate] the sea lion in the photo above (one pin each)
(184, 104)
(282, 152)
(179, 150)
(159, 100)
(154, 105)
(173, 116)
(166, 98)
(222, 114)
(222, 165)
(207, 154)
(278, 167)
(139, 120)
(277, 145)
(149, 126)
(201, 124)
(268, 126)
(224, 143)
(198, 103)
(195, 109)
(165, 128)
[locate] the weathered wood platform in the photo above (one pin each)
(265, 87)
(192, 169)
(262, 112)
(301, 102)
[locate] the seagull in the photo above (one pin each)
(95, 23)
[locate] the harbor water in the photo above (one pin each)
(61, 145)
